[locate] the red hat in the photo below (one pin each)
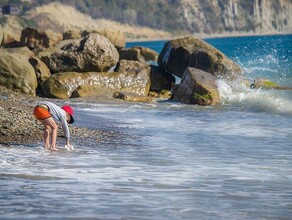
(70, 111)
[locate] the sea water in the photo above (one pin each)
(169, 160)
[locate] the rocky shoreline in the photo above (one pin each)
(97, 64)
(19, 127)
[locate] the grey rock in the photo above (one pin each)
(197, 87)
(92, 53)
(181, 53)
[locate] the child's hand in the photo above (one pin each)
(69, 147)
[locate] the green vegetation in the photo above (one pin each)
(3, 20)
(22, 21)
(202, 99)
(5, 2)
(269, 84)
(26, 22)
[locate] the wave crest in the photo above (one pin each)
(238, 93)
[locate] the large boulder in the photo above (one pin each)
(17, 73)
(62, 85)
(197, 87)
(160, 79)
(138, 71)
(41, 70)
(117, 38)
(181, 53)
(33, 38)
(92, 53)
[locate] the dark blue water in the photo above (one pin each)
(170, 160)
(267, 57)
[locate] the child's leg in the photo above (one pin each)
(54, 136)
(50, 125)
(47, 131)
(47, 137)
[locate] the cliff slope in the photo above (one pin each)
(241, 16)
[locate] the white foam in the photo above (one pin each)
(274, 101)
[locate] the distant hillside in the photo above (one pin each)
(60, 18)
(200, 17)
(192, 16)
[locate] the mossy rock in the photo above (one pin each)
(265, 84)
(203, 99)
(197, 87)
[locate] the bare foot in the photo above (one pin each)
(47, 147)
(54, 149)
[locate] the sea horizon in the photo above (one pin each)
(207, 36)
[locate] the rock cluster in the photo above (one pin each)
(96, 64)
(199, 65)
(42, 63)
(90, 63)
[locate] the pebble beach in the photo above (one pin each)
(18, 126)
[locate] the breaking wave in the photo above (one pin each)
(272, 101)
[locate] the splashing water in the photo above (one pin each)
(267, 57)
(238, 93)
